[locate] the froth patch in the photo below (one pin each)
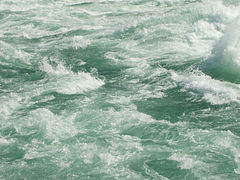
(53, 126)
(13, 54)
(4, 142)
(213, 91)
(77, 83)
(83, 43)
(186, 161)
(8, 105)
(65, 81)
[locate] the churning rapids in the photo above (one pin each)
(120, 89)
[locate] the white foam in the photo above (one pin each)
(206, 32)
(231, 42)
(202, 38)
(58, 70)
(186, 161)
(18, 6)
(78, 83)
(34, 154)
(65, 81)
(80, 41)
(129, 146)
(177, 124)
(55, 127)
(130, 112)
(213, 91)
(13, 54)
(9, 104)
(4, 141)
(219, 9)
(75, 42)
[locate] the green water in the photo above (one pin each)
(117, 89)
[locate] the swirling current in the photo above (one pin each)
(120, 89)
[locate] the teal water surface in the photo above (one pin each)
(119, 89)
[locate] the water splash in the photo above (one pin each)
(224, 63)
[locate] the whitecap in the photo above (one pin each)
(213, 91)
(65, 81)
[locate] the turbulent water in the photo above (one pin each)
(119, 89)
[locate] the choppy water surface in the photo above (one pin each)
(118, 89)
